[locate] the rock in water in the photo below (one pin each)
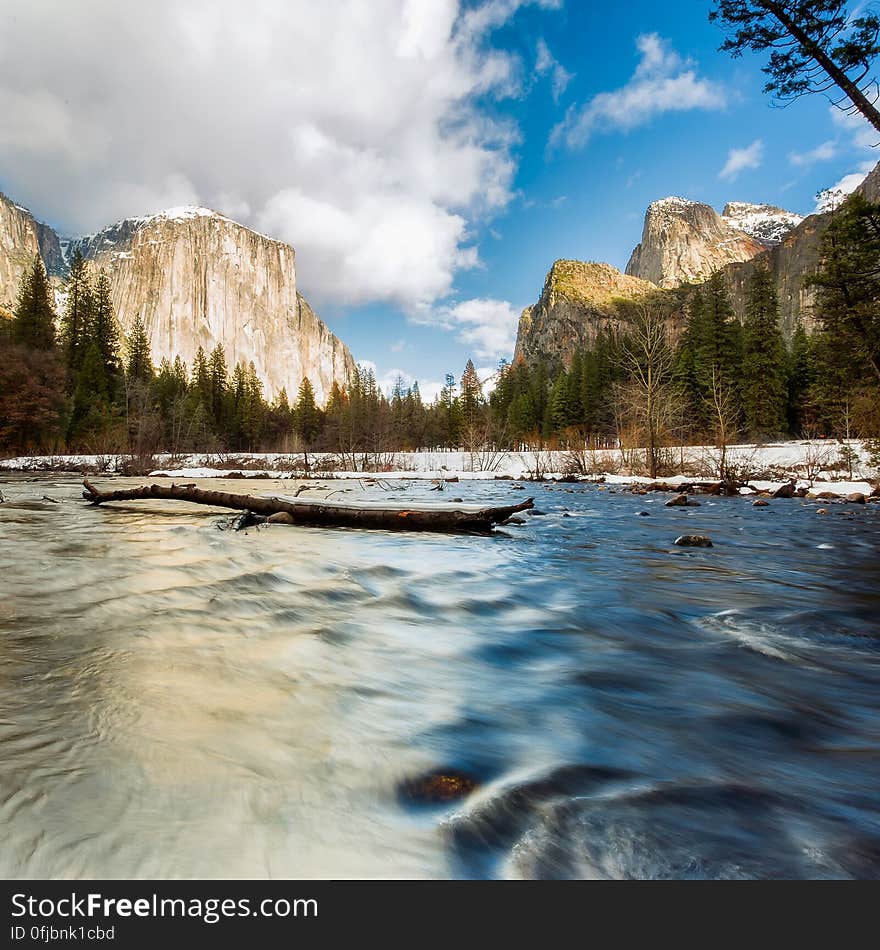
(445, 785)
(693, 541)
(856, 498)
(785, 491)
(682, 501)
(760, 503)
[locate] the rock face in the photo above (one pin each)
(686, 242)
(767, 224)
(575, 304)
(197, 278)
(790, 262)
(22, 237)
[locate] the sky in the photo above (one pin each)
(428, 159)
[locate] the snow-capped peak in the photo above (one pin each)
(672, 203)
(766, 223)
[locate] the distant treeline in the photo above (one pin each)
(77, 389)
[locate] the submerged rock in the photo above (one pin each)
(760, 503)
(693, 541)
(437, 787)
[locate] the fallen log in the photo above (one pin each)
(321, 514)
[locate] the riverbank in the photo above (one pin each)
(816, 467)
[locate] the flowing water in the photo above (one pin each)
(178, 700)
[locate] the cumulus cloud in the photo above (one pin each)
(356, 131)
(831, 197)
(663, 82)
(487, 326)
(546, 64)
(821, 153)
(861, 133)
(742, 159)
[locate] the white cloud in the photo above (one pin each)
(742, 159)
(854, 124)
(428, 389)
(821, 153)
(487, 326)
(547, 64)
(662, 82)
(356, 131)
(831, 197)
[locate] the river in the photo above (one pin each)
(178, 700)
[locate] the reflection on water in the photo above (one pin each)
(179, 701)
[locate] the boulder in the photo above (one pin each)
(760, 503)
(785, 491)
(856, 498)
(693, 541)
(280, 517)
(681, 501)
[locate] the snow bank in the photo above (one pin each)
(812, 464)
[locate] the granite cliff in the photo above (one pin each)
(684, 242)
(21, 238)
(195, 278)
(577, 302)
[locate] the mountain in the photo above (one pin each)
(685, 242)
(196, 278)
(790, 262)
(765, 223)
(575, 304)
(682, 242)
(22, 237)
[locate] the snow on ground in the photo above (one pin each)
(814, 464)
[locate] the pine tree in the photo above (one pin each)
(218, 387)
(92, 411)
(815, 46)
(849, 283)
(103, 332)
(763, 382)
(200, 382)
(800, 378)
(307, 414)
(139, 365)
(34, 315)
(471, 395)
(77, 312)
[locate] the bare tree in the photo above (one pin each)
(648, 396)
(724, 420)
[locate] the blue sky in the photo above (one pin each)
(587, 202)
(428, 159)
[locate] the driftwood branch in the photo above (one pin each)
(321, 515)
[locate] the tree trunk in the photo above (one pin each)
(321, 515)
(835, 73)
